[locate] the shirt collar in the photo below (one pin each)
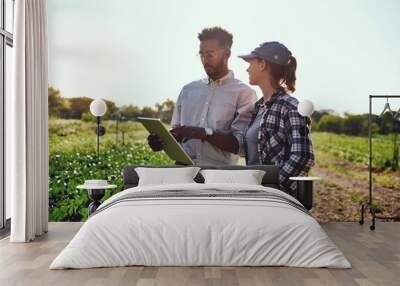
(220, 81)
(260, 103)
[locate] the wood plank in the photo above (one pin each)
(375, 257)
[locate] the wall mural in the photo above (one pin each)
(140, 70)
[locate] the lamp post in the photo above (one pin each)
(306, 108)
(304, 188)
(98, 108)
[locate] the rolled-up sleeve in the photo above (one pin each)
(176, 115)
(245, 107)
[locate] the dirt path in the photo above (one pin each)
(337, 197)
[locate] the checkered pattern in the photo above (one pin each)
(284, 139)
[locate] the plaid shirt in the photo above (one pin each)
(284, 139)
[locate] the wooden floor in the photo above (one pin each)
(375, 257)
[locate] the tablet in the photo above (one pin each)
(171, 147)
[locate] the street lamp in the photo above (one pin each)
(98, 108)
(306, 108)
(305, 184)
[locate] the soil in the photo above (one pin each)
(337, 197)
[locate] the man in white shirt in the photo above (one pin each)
(211, 114)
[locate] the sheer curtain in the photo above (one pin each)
(27, 148)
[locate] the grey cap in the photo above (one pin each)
(274, 52)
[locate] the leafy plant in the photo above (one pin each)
(70, 168)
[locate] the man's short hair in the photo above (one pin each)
(223, 37)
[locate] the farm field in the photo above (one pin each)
(341, 161)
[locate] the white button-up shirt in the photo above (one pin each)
(224, 105)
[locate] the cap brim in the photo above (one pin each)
(247, 57)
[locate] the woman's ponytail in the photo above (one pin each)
(289, 76)
(284, 76)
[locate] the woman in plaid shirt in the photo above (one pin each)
(277, 134)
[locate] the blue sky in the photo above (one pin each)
(143, 52)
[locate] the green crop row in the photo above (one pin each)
(68, 169)
(356, 149)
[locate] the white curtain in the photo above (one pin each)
(27, 148)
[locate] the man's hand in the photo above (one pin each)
(155, 143)
(225, 142)
(185, 133)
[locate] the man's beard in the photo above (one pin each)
(213, 71)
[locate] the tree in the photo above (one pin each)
(355, 125)
(317, 114)
(111, 108)
(165, 110)
(148, 112)
(78, 106)
(57, 104)
(331, 123)
(130, 111)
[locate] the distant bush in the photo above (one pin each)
(331, 123)
(88, 117)
(356, 125)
